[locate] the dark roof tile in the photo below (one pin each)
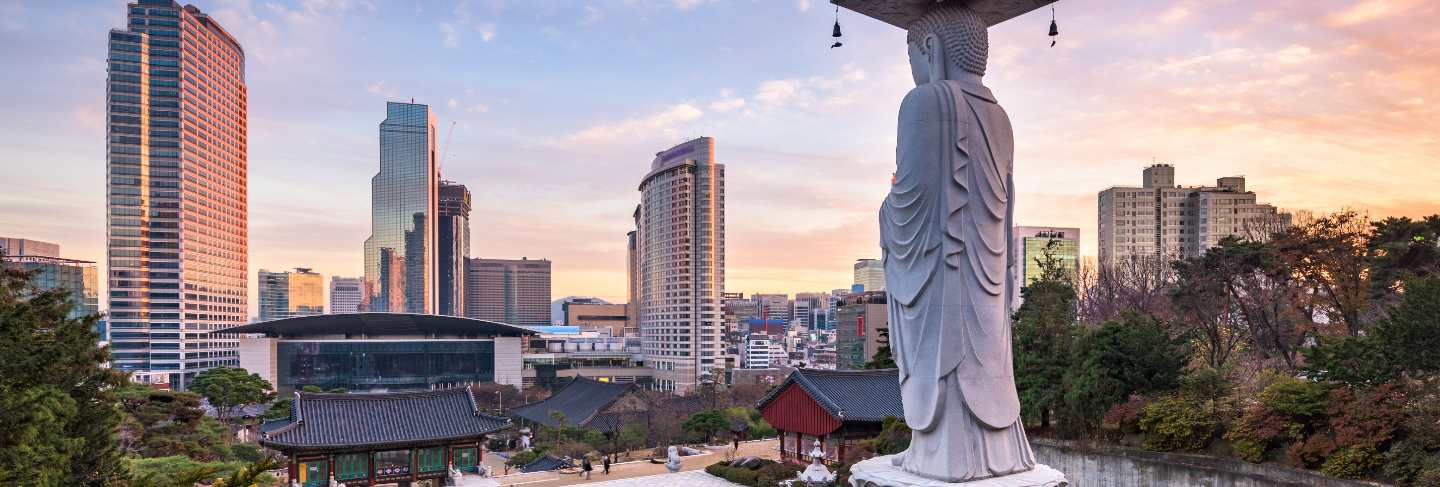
(850, 395)
(579, 401)
(327, 421)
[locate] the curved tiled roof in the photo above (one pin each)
(329, 421)
(380, 324)
(546, 463)
(579, 401)
(848, 395)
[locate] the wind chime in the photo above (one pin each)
(1054, 28)
(836, 32)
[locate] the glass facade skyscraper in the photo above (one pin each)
(680, 248)
(453, 248)
(400, 253)
(290, 294)
(176, 204)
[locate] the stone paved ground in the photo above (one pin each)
(644, 472)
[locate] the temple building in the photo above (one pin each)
(369, 439)
(840, 408)
(379, 352)
(586, 403)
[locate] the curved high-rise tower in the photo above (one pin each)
(680, 247)
(176, 208)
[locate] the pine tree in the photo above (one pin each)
(56, 392)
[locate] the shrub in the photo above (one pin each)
(525, 457)
(739, 475)
(1354, 462)
(1407, 460)
(1372, 425)
(246, 452)
(1125, 417)
(1173, 423)
(894, 437)
(776, 472)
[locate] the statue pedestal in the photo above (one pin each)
(879, 472)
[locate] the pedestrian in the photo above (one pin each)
(606, 465)
(585, 467)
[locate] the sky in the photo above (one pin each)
(558, 108)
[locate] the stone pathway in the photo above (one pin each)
(693, 478)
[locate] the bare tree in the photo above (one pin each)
(1132, 285)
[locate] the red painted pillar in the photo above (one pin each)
(782, 445)
(330, 468)
(370, 459)
(294, 472)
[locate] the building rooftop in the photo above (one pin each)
(380, 324)
(580, 401)
(324, 421)
(848, 395)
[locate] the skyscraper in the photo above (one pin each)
(54, 272)
(632, 284)
(176, 100)
(681, 246)
(870, 274)
(510, 291)
(344, 294)
(400, 253)
(1162, 220)
(452, 248)
(290, 294)
(1029, 245)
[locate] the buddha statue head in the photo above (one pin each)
(949, 41)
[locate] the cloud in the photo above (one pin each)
(1369, 10)
(777, 92)
(1175, 14)
(452, 103)
(486, 30)
(478, 108)
(592, 15)
(803, 5)
(686, 4)
(452, 38)
(664, 122)
(1294, 54)
(727, 104)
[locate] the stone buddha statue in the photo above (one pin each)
(945, 235)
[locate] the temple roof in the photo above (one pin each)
(580, 401)
(545, 463)
(848, 395)
(325, 421)
(379, 325)
(900, 13)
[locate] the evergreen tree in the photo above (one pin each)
(227, 388)
(56, 393)
(1043, 332)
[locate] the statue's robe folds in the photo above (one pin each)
(945, 231)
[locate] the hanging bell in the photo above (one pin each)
(836, 31)
(1054, 32)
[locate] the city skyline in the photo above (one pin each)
(1304, 96)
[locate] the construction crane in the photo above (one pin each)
(445, 151)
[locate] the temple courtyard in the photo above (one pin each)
(642, 473)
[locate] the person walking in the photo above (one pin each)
(606, 465)
(586, 467)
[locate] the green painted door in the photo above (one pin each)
(314, 473)
(465, 458)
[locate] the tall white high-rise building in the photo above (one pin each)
(1162, 220)
(345, 294)
(680, 247)
(176, 209)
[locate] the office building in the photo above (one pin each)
(773, 306)
(595, 316)
(403, 199)
(379, 352)
(858, 334)
(515, 292)
(632, 283)
(1029, 244)
(24, 246)
(177, 109)
(1162, 220)
(290, 294)
(870, 274)
(680, 235)
(54, 272)
(453, 247)
(345, 294)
